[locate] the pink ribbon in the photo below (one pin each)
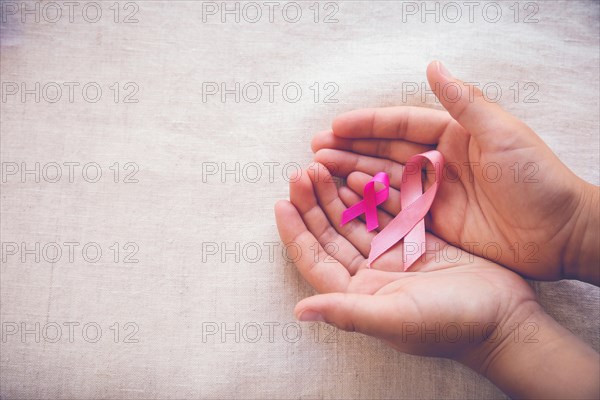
(409, 223)
(371, 200)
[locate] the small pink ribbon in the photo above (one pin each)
(371, 200)
(409, 223)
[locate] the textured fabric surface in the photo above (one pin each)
(196, 316)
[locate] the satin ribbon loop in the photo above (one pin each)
(409, 224)
(371, 199)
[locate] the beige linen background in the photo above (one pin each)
(196, 316)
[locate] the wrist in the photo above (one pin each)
(582, 252)
(506, 337)
(535, 357)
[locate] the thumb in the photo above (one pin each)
(486, 121)
(353, 312)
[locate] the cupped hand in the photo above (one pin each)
(450, 303)
(505, 195)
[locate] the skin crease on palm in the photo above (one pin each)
(448, 285)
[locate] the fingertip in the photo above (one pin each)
(315, 143)
(343, 123)
(432, 68)
(301, 306)
(302, 180)
(317, 303)
(312, 167)
(281, 206)
(345, 192)
(342, 310)
(284, 210)
(286, 219)
(301, 190)
(320, 155)
(438, 76)
(337, 123)
(304, 312)
(357, 179)
(319, 173)
(320, 140)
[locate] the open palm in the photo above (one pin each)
(448, 289)
(505, 196)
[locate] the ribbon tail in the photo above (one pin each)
(414, 244)
(401, 225)
(352, 212)
(370, 207)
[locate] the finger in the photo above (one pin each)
(354, 231)
(342, 163)
(324, 276)
(415, 124)
(370, 281)
(397, 150)
(486, 121)
(303, 197)
(377, 316)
